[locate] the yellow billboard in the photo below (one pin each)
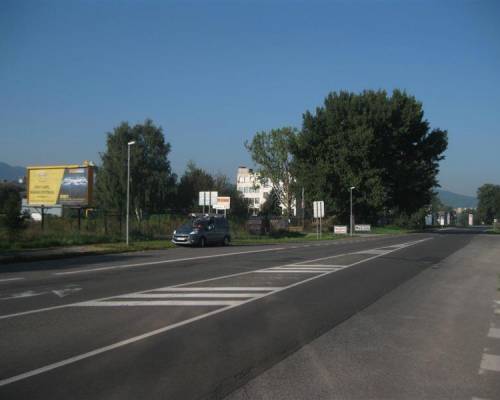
(69, 185)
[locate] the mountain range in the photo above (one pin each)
(456, 200)
(10, 173)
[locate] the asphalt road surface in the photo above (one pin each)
(207, 323)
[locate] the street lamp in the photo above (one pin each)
(350, 189)
(128, 186)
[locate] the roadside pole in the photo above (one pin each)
(351, 222)
(128, 190)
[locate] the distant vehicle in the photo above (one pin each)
(202, 231)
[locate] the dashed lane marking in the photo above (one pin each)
(494, 333)
(490, 362)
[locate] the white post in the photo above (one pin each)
(352, 187)
(128, 189)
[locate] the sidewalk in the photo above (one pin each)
(437, 336)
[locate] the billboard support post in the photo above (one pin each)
(43, 217)
(79, 218)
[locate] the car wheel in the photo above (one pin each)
(203, 242)
(225, 242)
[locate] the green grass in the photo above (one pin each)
(135, 246)
(390, 230)
(493, 231)
(297, 237)
(56, 240)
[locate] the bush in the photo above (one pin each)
(412, 221)
(12, 219)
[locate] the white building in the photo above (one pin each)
(248, 183)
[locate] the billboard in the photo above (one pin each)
(67, 185)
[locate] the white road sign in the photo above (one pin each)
(340, 229)
(223, 203)
(319, 209)
(207, 199)
(362, 228)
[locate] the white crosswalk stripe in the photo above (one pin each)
(217, 289)
(187, 295)
(131, 303)
(230, 296)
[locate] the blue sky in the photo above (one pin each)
(213, 73)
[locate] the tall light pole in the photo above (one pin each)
(350, 189)
(128, 187)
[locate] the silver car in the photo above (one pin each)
(203, 231)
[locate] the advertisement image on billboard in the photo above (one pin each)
(69, 185)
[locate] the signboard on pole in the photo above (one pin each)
(223, 203)
(207, 198)
(69, 185)
(319, 209)
(340, 229)
(362, 228)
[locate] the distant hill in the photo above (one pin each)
(10, 173)
(456, 200)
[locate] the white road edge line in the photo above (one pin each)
(167, 328)
(10, 279)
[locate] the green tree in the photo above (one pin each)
(10, 208)
(152, 182)
(224, 187)
(488, 203)
(272, 205)
(272, 152)
(193, 181)
(380, 144)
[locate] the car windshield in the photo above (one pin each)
(199, 223)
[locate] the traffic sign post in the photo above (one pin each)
(318, 213)
(207, 199)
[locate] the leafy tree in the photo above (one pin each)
(488, 203)
(272, 152)
(10, 207)
(224, 187)
(152, 182)
(380, 144)
(272, 206)
(193, 181)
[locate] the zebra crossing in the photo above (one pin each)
(221, 293)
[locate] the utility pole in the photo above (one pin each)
(128, 188)
(303, 215)
(351, 188)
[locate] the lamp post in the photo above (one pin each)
(128, 187)
(350, 189)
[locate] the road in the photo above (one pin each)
(200, 323)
